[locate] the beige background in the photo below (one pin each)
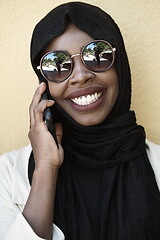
(139, 22)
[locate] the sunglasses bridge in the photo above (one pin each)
(74, 55)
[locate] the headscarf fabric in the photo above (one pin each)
(106, 188)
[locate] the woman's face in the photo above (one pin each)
(102, 87)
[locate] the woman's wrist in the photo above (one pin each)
(43, 167)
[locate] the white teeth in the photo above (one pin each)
(86, 100)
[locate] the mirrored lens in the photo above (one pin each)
(98, 56)
(56, 66)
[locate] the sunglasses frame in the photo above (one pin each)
(72, 62)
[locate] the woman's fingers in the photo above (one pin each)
(38, 94)
(36, 99)
(38, 105)
(39, 109)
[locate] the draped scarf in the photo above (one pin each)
(106, 187)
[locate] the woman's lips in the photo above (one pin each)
(86, 99)
(85, 91)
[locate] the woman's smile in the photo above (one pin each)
(87, 96)
(86, 99)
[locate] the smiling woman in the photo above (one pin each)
(101, 180)
(88, 94)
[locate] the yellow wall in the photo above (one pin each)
(140, 24)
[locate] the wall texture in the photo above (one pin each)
(139, 22)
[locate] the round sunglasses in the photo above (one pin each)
(97, 56)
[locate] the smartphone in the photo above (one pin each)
(48, 118)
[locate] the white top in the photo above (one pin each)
(15, 188)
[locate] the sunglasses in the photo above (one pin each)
(97, 56)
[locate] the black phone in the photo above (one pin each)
(48, 118)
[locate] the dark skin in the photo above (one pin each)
(39, 208)
(82, 78)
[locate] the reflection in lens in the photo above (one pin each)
(98, 56)
(56, 66)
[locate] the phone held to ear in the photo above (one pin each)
(48, 119)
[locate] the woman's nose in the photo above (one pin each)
(80, 74)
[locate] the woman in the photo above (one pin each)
(98, 183)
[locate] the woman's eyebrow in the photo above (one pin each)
(64, 50)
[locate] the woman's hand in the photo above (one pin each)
(45, 150)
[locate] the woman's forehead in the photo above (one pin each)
(73, 39)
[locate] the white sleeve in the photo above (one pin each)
(20, 229)
(153, 152)
(13, 225)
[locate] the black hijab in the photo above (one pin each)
(106, 187)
